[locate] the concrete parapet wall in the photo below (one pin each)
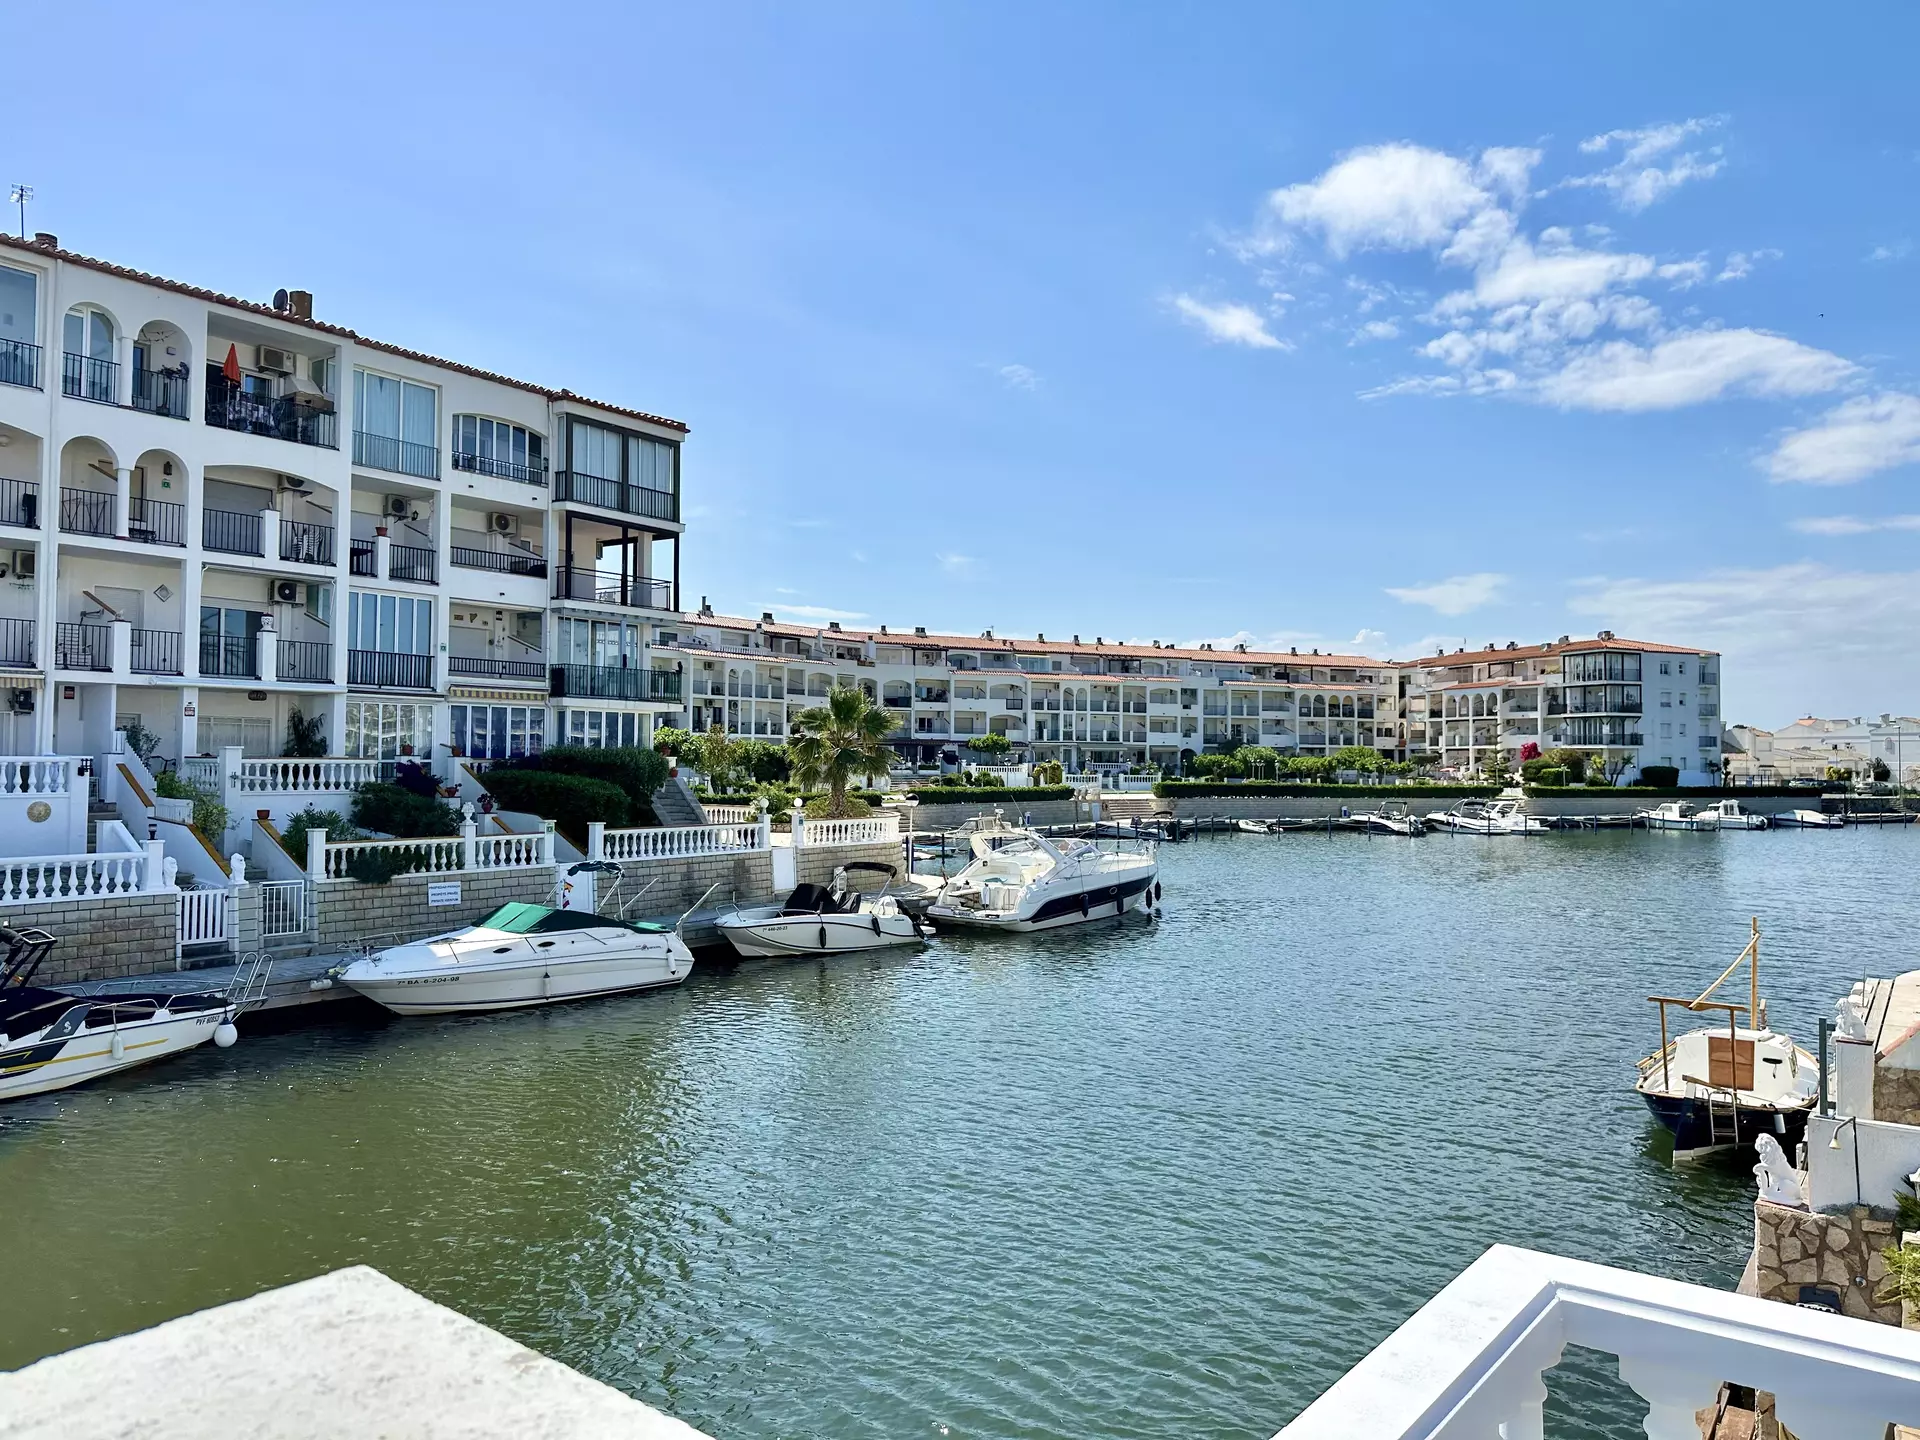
(815, 864)
(1634, 804)
(105, 938)
(1304, 807)
(666, 887)
(1794, 1248)
(1045, 812)
(347, 913)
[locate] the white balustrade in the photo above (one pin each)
(333, 860)
(874, 830)
(38, 774)
(331, 775)
(731, 814)
(434, 857)
(1469, 1362)
(508, 852)
(676, 841)
(202, 772)
(43, 879)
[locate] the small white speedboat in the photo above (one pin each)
(50, 1039)
(520, 955)
(1020, 880)
(1677, 815)
(1499, 817)
(1257, 827)
(1809, 820)
(1732, 815)
(1394, 817)
(829, 920)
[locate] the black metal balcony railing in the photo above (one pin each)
(616, 495)
(86, 512)
(507, 562)
(155, 652)
(305, 660)
(20, 503)
(229, 407)
(159, 522)
(16, 642)
(389, 452)
(606, 588)
(82, 647)
(384, 669)
(534, 472)
(229, 657)
(411, 562)
(360, 557)
(608, 682)
(488, 666)
(306, 543)
(236, 532)
(19, 364)
(85, 378)
(160, 392)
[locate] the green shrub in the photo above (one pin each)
(210, 817)
(377, 867)
(672, 740)
(570, 801)
(1049, 772)
(1363, 758)
(637, 772)
(1549, 775)
(293, 839)
(990, 744)
(381, 806)
(761, 759)
(970, 795)
(1660, 777)
(306, 737)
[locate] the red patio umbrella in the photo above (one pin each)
(232, 368)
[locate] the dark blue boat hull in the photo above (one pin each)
(1692, 1130)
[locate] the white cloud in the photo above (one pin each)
(815, 612)
(1375, 330)
(1017, 377)
(1740, 263)
(1691, 367)
(1854, 525)
(1230, 323)
(1455, 595)
(1399, 196)
(956, 564)
(1368, 642)
(1866, 434)
(1640, 176)
(1898, 250)
(1797, 638)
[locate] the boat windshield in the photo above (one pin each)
(518, 917)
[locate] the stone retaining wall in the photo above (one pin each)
(815, 864)
(1794, 1248)
(348, 913)
(677, 885)
(1300, 807)
(1896, 1094)
(929, 818)
(1634, 804)
(102, 939)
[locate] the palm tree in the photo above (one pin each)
(834, 742)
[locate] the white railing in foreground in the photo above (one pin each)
(203, 917)
(37, 774)
(872, 830)
(42, 879)
(332, 775)
(1469, 1361)
(332, 860)
(674, 841)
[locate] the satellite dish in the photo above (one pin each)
(280, 300)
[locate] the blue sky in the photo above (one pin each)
(1308, 325)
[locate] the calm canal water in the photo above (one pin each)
(1134, 1180)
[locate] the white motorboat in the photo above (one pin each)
(1019, 880)
(1496, 817)
(520, 955)
(1394, 817)
(50, 1039)
(1808, 820)
(1732, 815)
(1677, 815)
(828, 920)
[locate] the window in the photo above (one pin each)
(1663, 668)
(396, 624)
(394, 424)
(386, 730)
(638, 460)
(600, 729)
(19, 290)
(1666, 699)
(497, 732)
(598, 642)
(89, 332)
(1666, 729)
(493, 447)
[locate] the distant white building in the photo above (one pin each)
(1809, 747)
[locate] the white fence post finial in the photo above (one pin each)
(469, 850)
(155, 876)
(799, 824)
(546, 842)
(316, 854)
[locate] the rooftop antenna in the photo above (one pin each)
(20, 195)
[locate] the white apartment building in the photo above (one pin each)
(1810, 746)
(1086, 704)
(215, 512)
(1629, 701)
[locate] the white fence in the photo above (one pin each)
(330, 775)
(203, 918)
(38, 774)
(1469, 1362)
(731, 814)
(283, 908)
(874, 830)
(43, 804)
(674, 842)
(202, 772)
(44, 879)
(331, 860)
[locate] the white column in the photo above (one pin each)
(122, 500)
(153, 878)
(546, 843)
(316, 855)
(266, 659)
(596, 840)
(270, 534)
(469, 849)
(120, 647)
(1672, 1396)
(799, 824)
(189, 716)
(229, 778)
(382, 554)
(1529, 1418)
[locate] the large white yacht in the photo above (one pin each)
(1020, 880)
(520, 955)
(1483, 817)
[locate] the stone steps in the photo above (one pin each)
(1131, 806)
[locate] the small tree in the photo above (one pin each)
(834, 742)
(306, 736)
(1363, 758)
(992, 744)
(672, 740)
(1495, 767)
(717, 756)
(141, 741)
(1882, 772)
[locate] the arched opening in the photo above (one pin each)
(87, 486)
(89, 367)
(156, 499)
(162, 370)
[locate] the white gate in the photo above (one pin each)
(283, 908)
(203, 918)
(785, 869)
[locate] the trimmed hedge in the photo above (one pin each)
(570, 801)
(388, 809)
(872, 799)
(975, 794)
(1206, 789)
(1670, 792)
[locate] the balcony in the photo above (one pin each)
(82, 647)
(19, 364)
(616, 495)
(607, 682)
(388, 670)
(85, 378)
(155, 652)
(413, 563)
(156, 522)
(161, 392)
(232, 532)
(531, 473)
(229, 407)
(489, 667)
(86, 512)
(20, 503)
(1471, 1361)
(305, 660)
(503, 562)
(360, 557)
(305, 543)
(228, 657)
(389, 452)
(17, 643)
(605, 588)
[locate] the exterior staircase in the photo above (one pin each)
(675, 804)
(1135, 805)
(99, 810)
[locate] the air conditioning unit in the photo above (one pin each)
(24, 564)
(289, 592)
(20, 702)
(399, 506)
(292, 482)
(502, 523)
(275, 362)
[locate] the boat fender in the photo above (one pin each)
(876, 923)
(1156, 892)
(823, 937)
(118, 1047)
(1779, 1123)
(1085, 904)
(224, 1034)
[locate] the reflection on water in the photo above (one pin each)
(1132, 1179)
